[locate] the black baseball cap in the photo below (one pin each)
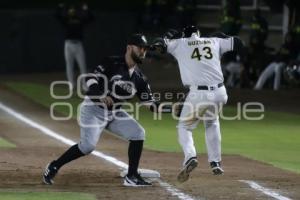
(189, 30)
(138, 40)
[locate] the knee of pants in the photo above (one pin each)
(86, 147)
(186, 126)
(278, 69)
(139, 134)
(210, 123)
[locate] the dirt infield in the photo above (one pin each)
(21, 168)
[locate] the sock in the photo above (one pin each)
(71, 154)
(134, 154)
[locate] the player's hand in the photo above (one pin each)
(177, 109)
(107, 100)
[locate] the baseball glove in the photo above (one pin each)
(173, 34)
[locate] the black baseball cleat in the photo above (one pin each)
(189, 166)
(49, 174)
(135, 181)
(216, 168)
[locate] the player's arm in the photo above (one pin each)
(229, 43)
(166, 43)
(87, 15)
(61, 12)
(238, 45)
(97, 83)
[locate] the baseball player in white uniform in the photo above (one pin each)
(199, 64)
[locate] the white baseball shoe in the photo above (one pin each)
(189, 166)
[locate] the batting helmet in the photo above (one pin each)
(189, 30)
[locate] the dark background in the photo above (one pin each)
(31, 38)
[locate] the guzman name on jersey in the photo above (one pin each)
(197, 42)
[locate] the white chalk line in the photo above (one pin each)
(169, 188)
(266, 191)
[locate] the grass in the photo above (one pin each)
(6, 144)
(275, 139)
(45, 196)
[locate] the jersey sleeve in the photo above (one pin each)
(97, 81)
(171, 45)
(226, 44)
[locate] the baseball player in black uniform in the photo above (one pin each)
(74, 19)
(115, 81)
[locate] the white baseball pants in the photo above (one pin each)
(273, 68)
(74, 52)
(202, 105)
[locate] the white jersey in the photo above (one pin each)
(199, 58)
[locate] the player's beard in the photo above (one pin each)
(137, 59)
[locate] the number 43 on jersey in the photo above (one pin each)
(206, 52)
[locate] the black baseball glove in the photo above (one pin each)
(173, 34)
(159, 45)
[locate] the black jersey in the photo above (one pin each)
(112, 78)
(75, 24)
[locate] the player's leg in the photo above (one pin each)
(186, 141)
(265, 75)
(278, 72)
(212, 130)
(187, 122)
(92, 122)
(128, 128)
(213, 144)
(70, 61)
(80, 58)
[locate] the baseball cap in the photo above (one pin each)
(138, 40)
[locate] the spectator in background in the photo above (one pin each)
(231, 25)
(294, 12)
(296, 32)
(259, 27)
(231, 18)
(232, 67)
(257, 55)
(291, 73)
(74, 18)
(288, 52)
